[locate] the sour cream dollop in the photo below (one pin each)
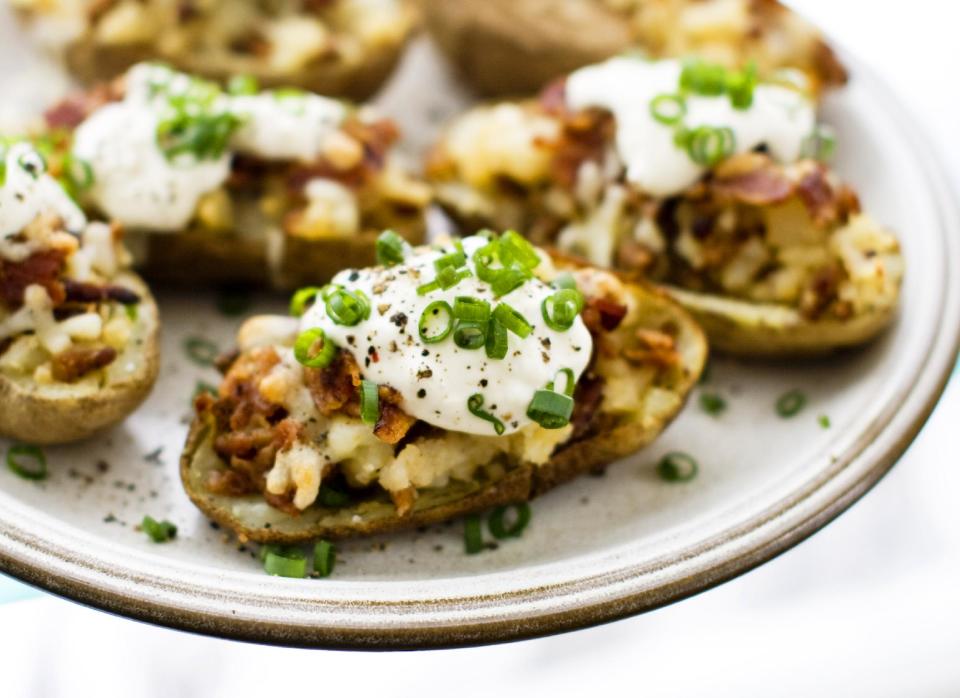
(436, 380)
(779, 117)
(29, 191)
(135, 182)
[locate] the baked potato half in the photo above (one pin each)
(745, 225)
(78, 332)
(279, 187)
(345, 48)
(515, 47)
(262, 454)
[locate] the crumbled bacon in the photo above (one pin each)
(827, 205)
(74, 109)
(762, 186)
(231, 483)
(586, 406)
(77, 361)
(41, 268)
(654, 347)
(585, 137)
(393, 423)
(85, 292)
(335, 388)
(820, 291)
(603, 314)
(553, 97)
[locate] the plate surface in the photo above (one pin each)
(597, 549)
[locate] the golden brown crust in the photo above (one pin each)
(64, 412)
(616, 437)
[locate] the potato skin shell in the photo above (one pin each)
(619, 438)
(34, 415)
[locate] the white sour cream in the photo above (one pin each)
(780, 118)
(28, 192)
(137, 185)
(436, 380)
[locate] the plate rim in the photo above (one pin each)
(505, 626)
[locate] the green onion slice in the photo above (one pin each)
(712, 403)
(303, 299)
(243, 85)
(709, 146)
(497, 343)
(469, 309)
(514, 250)
(564, 280)
(159, 531)
(498, 525)
(740, 86)
(436, 312)
(550, 409)
(452, 259)
(390, 249)
(569, 382)
(821, 144)
(369, 401)
(470, 335)
(560, 310)
(677, 467)
(347, 307)
(512, 320)
(824, 421)
(789, 404)
(472, 534)
(284, 562)
(29, 462)
(508, 280)
(475, 405)
(324, 558)
(201, 351)
(703, 78)
(668, 109)
(306, 345)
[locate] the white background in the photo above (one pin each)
(870, 606)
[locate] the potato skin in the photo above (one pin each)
(62, 413)
(514, 47)
(621, 437)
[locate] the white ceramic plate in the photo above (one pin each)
(598, 548)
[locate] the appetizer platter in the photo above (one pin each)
(435, 372)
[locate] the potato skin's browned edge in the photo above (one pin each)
(91, 63)
(37, 419)
(520, 483)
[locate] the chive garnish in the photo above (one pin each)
(677, 467)
(824, 421)
(324, 558)
(437, 312)
(303, 299)
(369, 401)
(201, 351)
(713, 404)
(390, 249)
(501, 529)
(472, 534)
(284, 562)
(159, 531)
(475, 405)
(29, 462)
(347, 308)
(791, 403)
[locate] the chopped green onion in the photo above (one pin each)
(709, 146)
(470, 335)
(677, 467)
(202, 387)
(159, 531)
(284, 562)
(499, 527)
(447, 278)
(472, 534)
(703, 78)
(515, 250)
(508, 280)
(29, 462)
(560, 310)
(324, 558)
(564, 280)
(303, 299)
(306, 345)
(821, 144)
(475, 405)
(201, 134)
(243, 85)
(712, 403)
(824, 421)
(550, 409)
(469, 309)
(483, 260)
(668, 109)
(201, 351)
(429, 316)
(569, 384)
(789, 404)
(390, 249)
(333, 499)
(452, 259)
(132, 311)
(740, 85)
(78, 173)
(512, 320)
(347, 307)
(497, 342)
(369, 401)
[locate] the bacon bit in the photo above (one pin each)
(404, 500)
(393, 423)
(225, 360)
(603, 314)
(286, 433)
(74, 110)
(335, 388)
(74, 363)
(820, 292)
(41, 268)
(759, 187)
(83, 292)
(231, 483)
(553, 97)
(244, 444)
(633, 256)
(283, 502)
(655, 347)
(586, 405)
(585, 137)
